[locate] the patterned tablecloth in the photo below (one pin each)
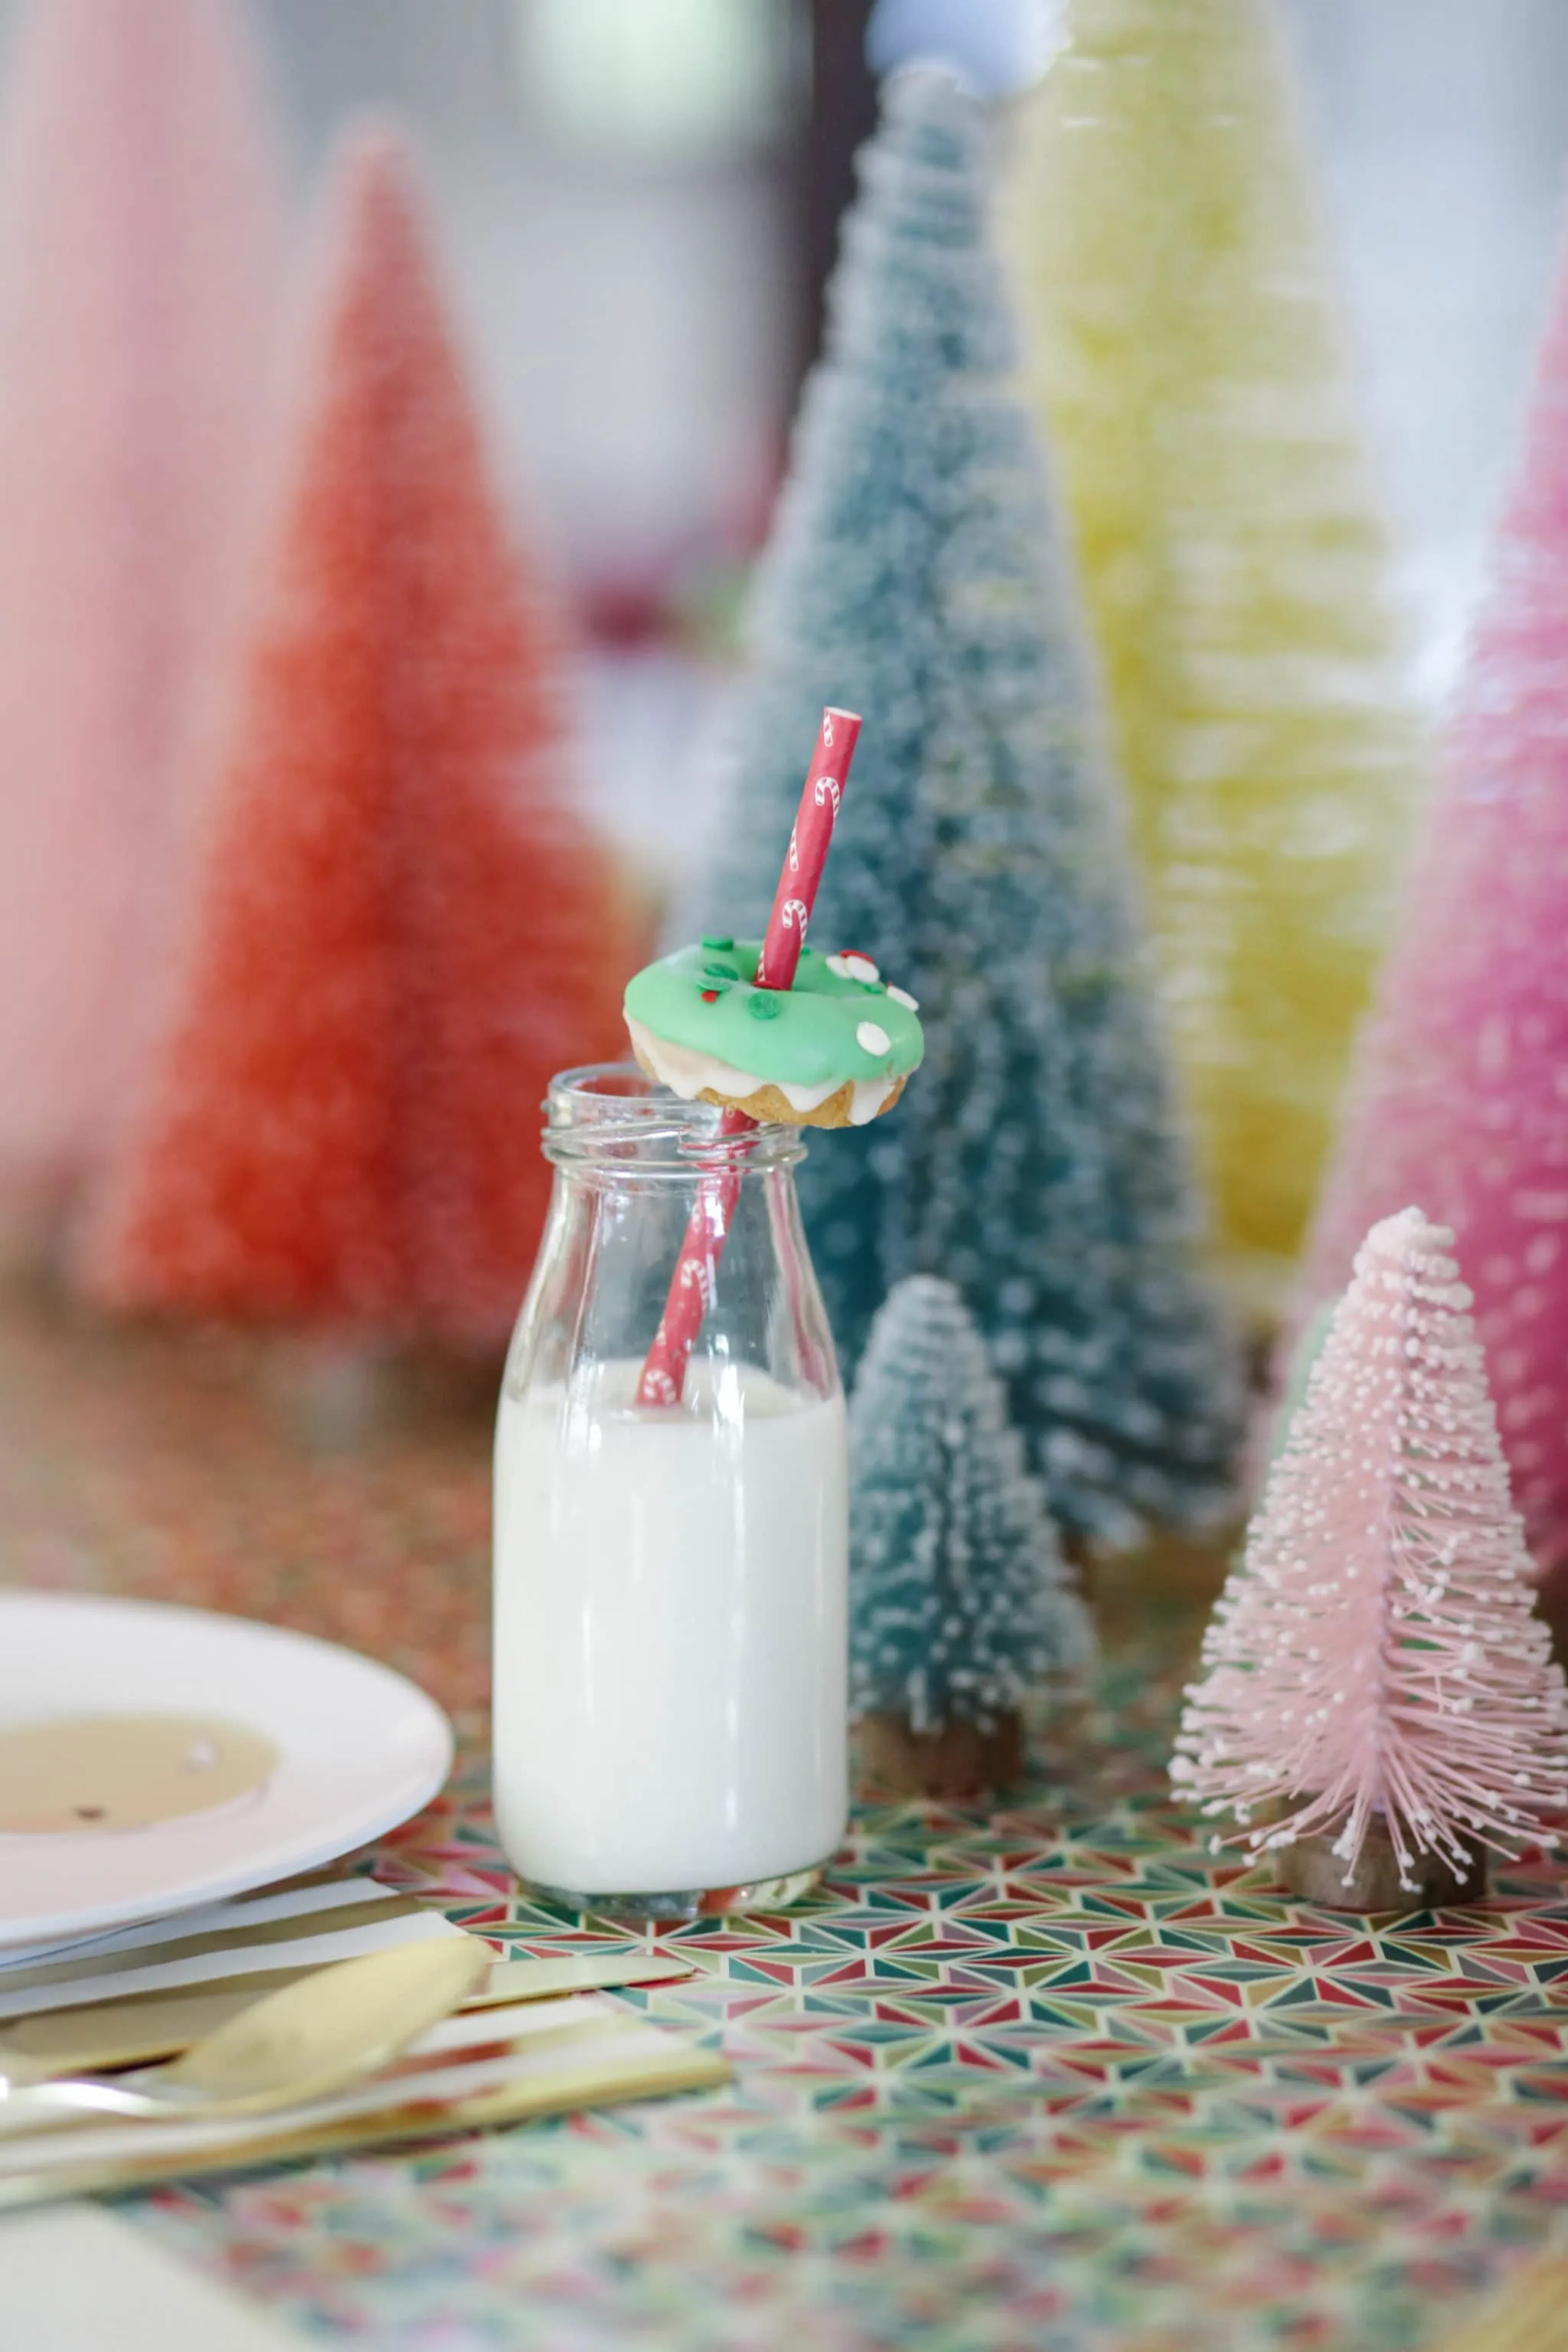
(1045, 2076)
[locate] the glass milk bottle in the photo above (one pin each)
(671, 1612)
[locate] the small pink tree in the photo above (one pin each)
(1460, 1096)
(1374, 1659)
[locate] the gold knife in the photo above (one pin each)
(598, 2086)
(140, 2027)
(380, 1904)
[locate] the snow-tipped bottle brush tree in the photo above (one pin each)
(918, 573)
(1379, 1704)
(961, 1599)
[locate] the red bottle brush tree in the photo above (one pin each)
(141, 239)
(399, 928)
(1376, 1668)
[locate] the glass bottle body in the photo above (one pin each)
(670, 1581)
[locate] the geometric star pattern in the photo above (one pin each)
(1024, 2080)
(1052, 2075)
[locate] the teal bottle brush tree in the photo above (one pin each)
(915, 572)
(960, 1600)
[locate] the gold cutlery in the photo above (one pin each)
(135, 2028)
(527, 1980)
(310, 2038)
(376, 1906)
(597, 2084)
(1527, 2316)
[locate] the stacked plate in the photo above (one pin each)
(171, 1786)
(152, 1759)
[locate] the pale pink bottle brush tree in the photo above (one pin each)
(1375, 1662)
(140, 246)
(1460, 1098)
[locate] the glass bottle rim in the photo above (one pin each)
(613, 1116)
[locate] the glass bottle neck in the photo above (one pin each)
(613, 1121)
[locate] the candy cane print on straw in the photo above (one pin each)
(692, 1283)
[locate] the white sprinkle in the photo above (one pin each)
(851, 965)
(872, 1040)
(901, 996)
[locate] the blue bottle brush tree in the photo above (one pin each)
(915, 575)
(960, 1600)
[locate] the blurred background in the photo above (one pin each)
(636, 204)
(639, 198)
(660, 179)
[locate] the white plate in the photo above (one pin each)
(361, 1750)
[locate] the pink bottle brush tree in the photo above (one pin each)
(1461, 1094)
(141, 244)
(1376, 1676)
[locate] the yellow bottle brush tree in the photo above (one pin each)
(1185, 352)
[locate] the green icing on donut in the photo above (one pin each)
(805, 1037)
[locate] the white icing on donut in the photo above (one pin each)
(851, 965)
(901, 996)
(689, 1074)
(872, 1040)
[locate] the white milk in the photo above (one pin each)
(670, 1627)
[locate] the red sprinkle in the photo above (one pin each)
(709, 996)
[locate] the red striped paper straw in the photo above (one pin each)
(810, 839)
(696, 1269)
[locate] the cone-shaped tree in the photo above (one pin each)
(1459, 1092)
(140, 237)
(961, 1599)
(399, 929)
(915, 575)
(1375, 1658)
(1185, 353)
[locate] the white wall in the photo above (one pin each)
(634, 316)
(634, 320)
(1444, 129)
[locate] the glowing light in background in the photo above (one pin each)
(997, 46)
(687, 79)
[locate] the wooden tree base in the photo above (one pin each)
(1312, 1870)
(959, 1760)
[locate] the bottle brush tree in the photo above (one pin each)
(916, 575)
(1186, 354)
(1460, 1093)
(1378, 1694)
(399, 927)
(140, 245)
(961, 1600)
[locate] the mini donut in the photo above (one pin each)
(833, 1050)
